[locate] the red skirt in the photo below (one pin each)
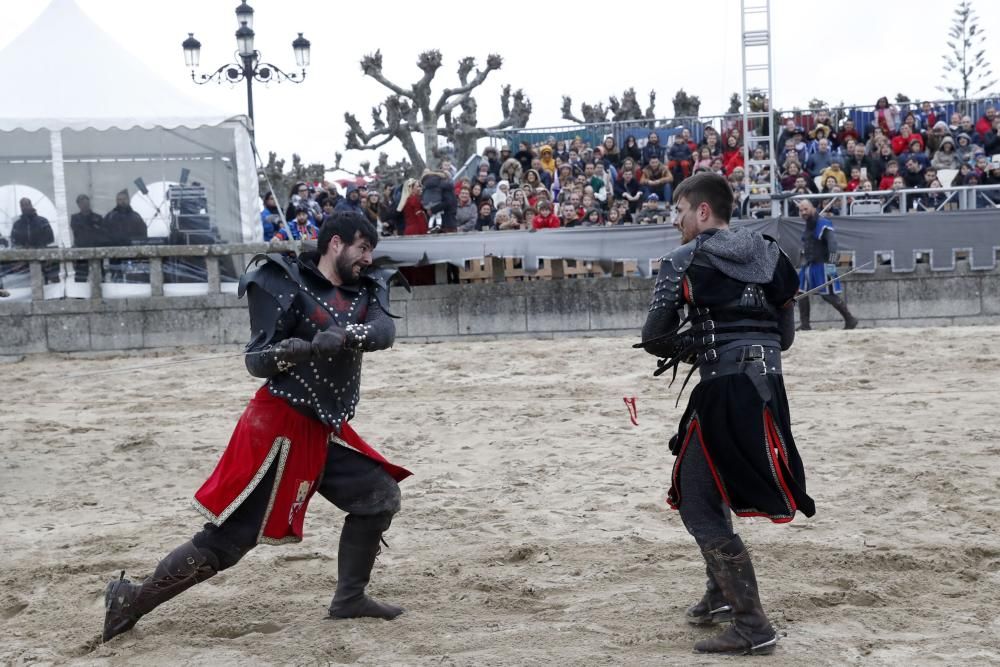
(270, 433)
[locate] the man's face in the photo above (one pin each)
(574, 199)
(991, 113)
(536, 163)
(800, 183)
(354, 195)
(966, 122)
(824, 145)
(26, 207)
(848, 124)
(350, 260)
(654, 163)
(121, 200)
(588, 170)
(930, 176)
(84, 203)
(301, 217)
(627, 175)
(464, 197)
(859, 151)
(790, 125)
(688, 219)
(654, 139)
(686, 134)
(806, 210)
(913, 166)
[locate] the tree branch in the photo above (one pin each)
(371, 65)
(493, 62)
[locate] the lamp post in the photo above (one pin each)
(249, 66)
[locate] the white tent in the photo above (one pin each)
(83, 116)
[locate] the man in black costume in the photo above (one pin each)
(88, 232)
(734, 445)
(312, 319)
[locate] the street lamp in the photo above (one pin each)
(249, 66)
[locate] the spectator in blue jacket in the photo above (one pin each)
(270, 217)
(822, 158)
(351, 200)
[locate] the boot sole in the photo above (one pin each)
(764, 648)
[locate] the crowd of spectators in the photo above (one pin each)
(897, 151)
(570, 183)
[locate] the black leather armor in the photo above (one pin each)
(729, 326)
(290, 298)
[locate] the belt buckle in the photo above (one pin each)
(708, 340)
(711, 356)
(708, 325)
(755, 354)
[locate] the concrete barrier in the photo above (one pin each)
(537, 309)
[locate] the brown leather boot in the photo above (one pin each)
(750, 632)
(125, 603)
(712, 609)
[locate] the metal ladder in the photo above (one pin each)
(755, 26)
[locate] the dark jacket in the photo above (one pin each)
(345, 204)
(123, 226)
(31, 231)
(439, 197)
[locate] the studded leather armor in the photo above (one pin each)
(290, 298)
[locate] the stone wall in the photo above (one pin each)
(589, 306)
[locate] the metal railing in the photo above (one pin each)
(862, 115)
(882, 202)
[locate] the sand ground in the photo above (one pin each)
(534, 530)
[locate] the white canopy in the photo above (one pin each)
(99, 84)
(108, 120)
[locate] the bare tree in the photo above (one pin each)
(734, 104)
(966, 71)
(384, 172)
(686, 106)
(815, 104)
(282, 181)
(409, 111)
(628, 108)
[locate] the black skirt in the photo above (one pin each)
(749, 448)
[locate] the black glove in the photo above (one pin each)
(674, 445)
(293, 350)
(328, 343)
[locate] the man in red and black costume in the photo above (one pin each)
(734, 445)
(312, 319)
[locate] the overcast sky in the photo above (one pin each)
(851, 50)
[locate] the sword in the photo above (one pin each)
(829, 282)
(208, 357)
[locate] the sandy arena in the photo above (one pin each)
(534, 531)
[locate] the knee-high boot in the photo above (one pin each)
(850, 322)
(804, 314)
(750, 631)
(125, 603)
(712, 609)
(359, 545)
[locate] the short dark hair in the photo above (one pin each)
(707, 188)
(347, 225)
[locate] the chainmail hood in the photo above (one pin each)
(741, 254)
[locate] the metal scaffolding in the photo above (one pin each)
(758, 126)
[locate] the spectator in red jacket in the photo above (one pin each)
(414, 216)
(985, 123)
(901, 142)
(889, 177)
(732, 156)
(545, 219)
